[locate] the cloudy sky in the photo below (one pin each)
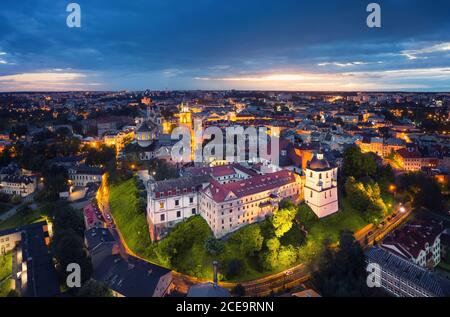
(224, 44)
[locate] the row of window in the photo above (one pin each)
(177, 202)
(330, 194)
(177, 192)
(163, 216)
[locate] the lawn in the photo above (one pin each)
(445, 266)
(133, 225)
(5, 207)
(329, 228)
(21, 219)
(5, 274)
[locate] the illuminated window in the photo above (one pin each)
(161, 205)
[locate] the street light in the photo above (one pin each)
(402, 209)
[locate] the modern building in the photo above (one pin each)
(320, 191)
(33, 272)
(403, 278)
(171, 201)
(417, 241)
(230, 206)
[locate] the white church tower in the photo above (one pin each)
(320, 190)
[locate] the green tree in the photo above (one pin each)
(68, 218)
(251, 240)
(341, 273)
(282, 220)
(358, 164)
(93, 288)
(287, 255)
(273, 245)
(233, 268)
(68, 247)
(104, 156)
(214, 246)
(423, 191)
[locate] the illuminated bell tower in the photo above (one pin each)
(185, 120)
(185, 116)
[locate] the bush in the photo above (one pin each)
(233, 268)
(213, 246)
(250, 239)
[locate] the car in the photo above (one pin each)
(394, 215)
(370, 233)
(383, 223)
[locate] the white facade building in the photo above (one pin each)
(226, 207)
(172, 201)
(402, 278)
(417, 241)
(18, 185)
(320, 190)
(83, 175)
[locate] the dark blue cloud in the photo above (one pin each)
(160, 44)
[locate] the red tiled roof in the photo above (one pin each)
(405, 153)
(412, 238)
(250, 186)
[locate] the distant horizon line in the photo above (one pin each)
(229, 90)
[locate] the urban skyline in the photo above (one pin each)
(224, 149)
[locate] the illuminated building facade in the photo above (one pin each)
(227, 207)
(320, 190)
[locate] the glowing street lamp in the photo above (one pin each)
(402, 209)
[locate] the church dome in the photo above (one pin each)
(319, 163)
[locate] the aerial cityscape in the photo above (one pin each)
(224, 149)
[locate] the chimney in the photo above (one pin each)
(215, 267)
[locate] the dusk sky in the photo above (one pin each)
(218, 44)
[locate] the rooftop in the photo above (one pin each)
(42, 278)
(250, 186)
(182, 184)
(427, 280)
(413, 236)
(132, 277)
